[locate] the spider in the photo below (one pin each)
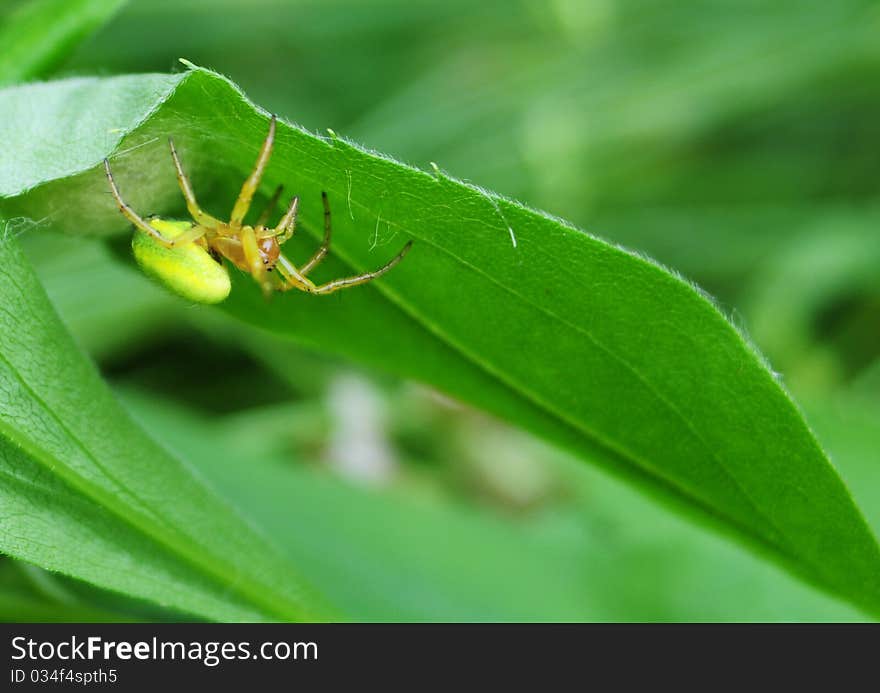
(187, 255)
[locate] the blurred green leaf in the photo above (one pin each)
(590, 346)
(87, 493)
(38, 34)
(813, 304)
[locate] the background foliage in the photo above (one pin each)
(731, 142)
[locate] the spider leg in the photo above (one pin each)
(130, 214)
(347, 282)
(243, 203)
(193, 233)
(325, 244)
(269, 208)
(291, 277)
(202, 218)
(254, 260)
(295, 279)
(286, 226)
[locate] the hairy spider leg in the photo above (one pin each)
(269, 208)
(243, 203)
(325, 244)
(187, 236)
(294, 279)
(290, 277)
(202, 218)
(286, 226)
(347, 282)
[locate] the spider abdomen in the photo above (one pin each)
(188, 270)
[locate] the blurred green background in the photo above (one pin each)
(735, 141)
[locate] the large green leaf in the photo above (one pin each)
(593, 347)
(85, 492)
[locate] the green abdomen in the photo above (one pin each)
(188, 270)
